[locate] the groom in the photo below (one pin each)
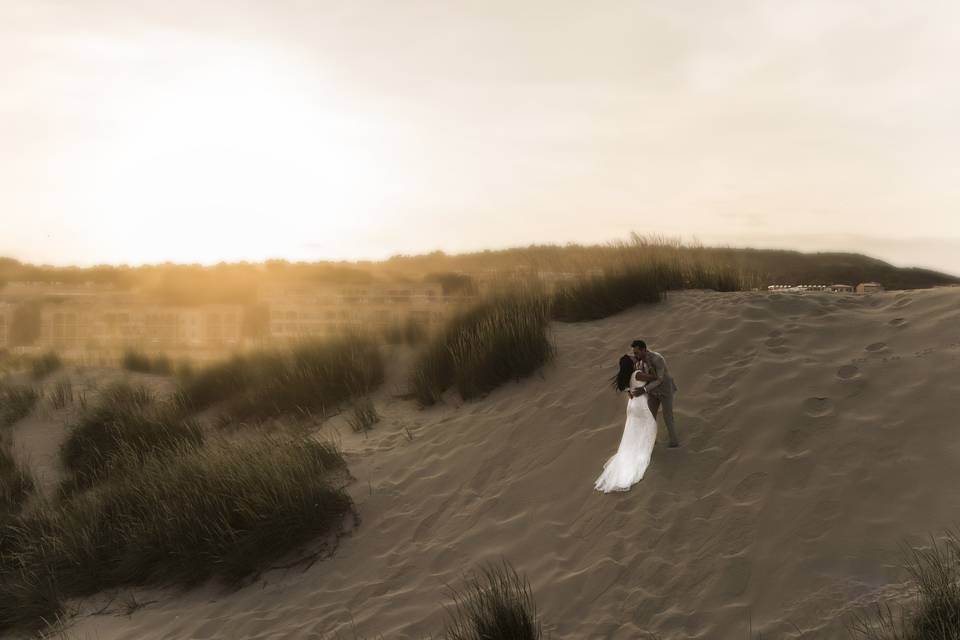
(659, 386)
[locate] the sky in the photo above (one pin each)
(137, 131)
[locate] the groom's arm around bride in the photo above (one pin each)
(660, 388)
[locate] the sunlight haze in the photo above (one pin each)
(139, 132)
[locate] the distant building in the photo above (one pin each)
(6, 323)
(87, 324)
(25, 290)
(840, 288)
(797, 288)
(298, 311)
(869, 287)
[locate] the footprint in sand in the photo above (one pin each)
(898, 322)
(848, 371)
(795, 440)
(749, 489)
(817, 407)
(776, 342)
(876, 346)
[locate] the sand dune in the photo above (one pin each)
(818, 434)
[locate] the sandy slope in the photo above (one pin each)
(819, 432)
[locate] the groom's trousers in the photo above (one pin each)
(655, 401)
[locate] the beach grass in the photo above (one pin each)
(499, 340)
(62, 394)
(44, 365)
(310, 377)
(140, 362)
(495, 603)
(125, 427)
(598, 296)
(224, 510)
(363, 415)
(16, 403)
(934, 573)
(16, 482)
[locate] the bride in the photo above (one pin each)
(627, 466)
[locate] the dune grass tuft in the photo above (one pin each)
(45, 364)
(16, 483)
(142, 363)
(599, 296)
(934, 572)
(499, 340)
(62, 394)
(363, 415)
(16, 403)
(223, 510)
(313, 376)
(496, 603)
(125, 427)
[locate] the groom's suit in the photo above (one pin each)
(660, 391)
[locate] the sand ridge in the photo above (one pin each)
(817, 432)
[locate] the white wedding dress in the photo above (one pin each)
(627, 466)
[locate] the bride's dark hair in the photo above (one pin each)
(622, 380)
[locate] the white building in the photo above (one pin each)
(869, 287)
(840, 288)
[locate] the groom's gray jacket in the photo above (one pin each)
(664, 384)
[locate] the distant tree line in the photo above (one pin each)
(237, 283)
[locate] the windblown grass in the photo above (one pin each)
(599, 296)
(125, 427)
(642, 271)
(935, 615)
(497, 341)
(496, 604)
(363, 415)
(224, 510)
(16, 483)
(62, 394)
(16, 403)
(314, 376)
(46, 364)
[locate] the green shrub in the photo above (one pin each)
(497, 341)
(45, 365)
(125, 426)
(496, 604)
(223, 510)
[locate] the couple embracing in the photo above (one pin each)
(649, 385)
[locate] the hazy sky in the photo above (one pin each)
(135, 131)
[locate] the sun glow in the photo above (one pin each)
(230, 157)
